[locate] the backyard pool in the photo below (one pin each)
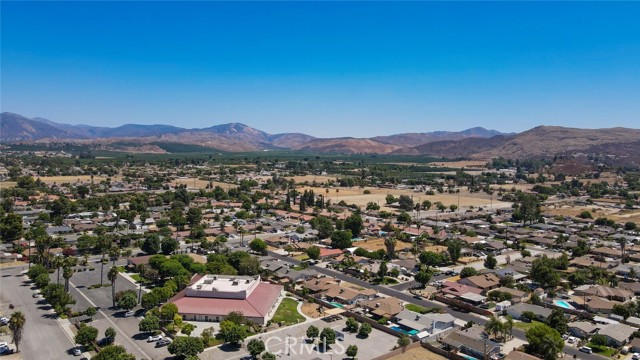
(399, 329)
(563, 304)
(336, 304)
(468, 357)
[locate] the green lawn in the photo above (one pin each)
(418, 308)
(288, 312)
(524, 325)
(601, 350)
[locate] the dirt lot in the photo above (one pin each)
(377, 244)
(355, 195)
(418, 353)
(311, 309)
(620, 216)
(86, 179)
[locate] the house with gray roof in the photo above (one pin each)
(582, 329)
(516, 311)
(433, 323)
(617, 334)
(472, 342)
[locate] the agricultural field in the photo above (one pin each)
(619, 215)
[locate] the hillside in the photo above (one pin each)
(347, 146)
(415, 139)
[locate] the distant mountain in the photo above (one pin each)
(616, 145)
(415, 139)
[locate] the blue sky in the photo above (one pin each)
(326, 69)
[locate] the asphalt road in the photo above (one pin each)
(465, 316)
(43, 339)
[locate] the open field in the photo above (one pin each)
(460, 164)
(618, 215)
(418, 353)
(81, 179)
(377, 244)
(311, 309)
(201, 184)
(355, 195)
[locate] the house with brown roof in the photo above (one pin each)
(517, 296)
(484, 282)
(347, 295)
(386, 307)
(456, 290)
(609, 293)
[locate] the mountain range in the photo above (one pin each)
(475, 143)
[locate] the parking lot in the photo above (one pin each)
(290, 343)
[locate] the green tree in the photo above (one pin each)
(454, 248)
(620, 310)
(90, 312)
(42, 280)
(11, 227)
(494, 326)
(185, 346)
(354, 223)
(403, 342)
(231, 332)
(599, 340)
(113, 352)
(490, 262)
(16, 325)
(258, 245)
(268, 356)
(405, 203)
(109, 335)
(187, 329)
(558, 321)
(352, 351)
(323, 225)
(341, 239)
(86, 335)
(365, 330)
(313, 252)
(544, 342)
(430, 258)
(468, 271)
(128, 301)
(255, 347)
(312, 332)
(544, 273)
(327, 337)
(194, 216)
(149, 323)
(169, 245)
(423, 276)
(151, 244)
(168, 312)
(352, 325)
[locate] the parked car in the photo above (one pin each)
(129, 313)
(4, 321)
(636, 356)
(586, 349)
(163, 342)
(153, 338)
(77, 351)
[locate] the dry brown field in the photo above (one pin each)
(461, 164)
(355, 195)
(418, 353)
(201, 184)
(377, 244)
(617, 215)
(311, 309)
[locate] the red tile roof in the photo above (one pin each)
(257, 304)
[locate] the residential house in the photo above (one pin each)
(432, 323)
(471, 342)
(455, 290)
(617, 335)
(517, 310)
(517, 296)
(582, 329)
(606, 292)
(387, 307)
(484, 282)
(519, 355)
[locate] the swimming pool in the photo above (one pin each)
(399, 329)
(336, 304)
(467, 357)
(563, 304)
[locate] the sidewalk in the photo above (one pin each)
(66, 327)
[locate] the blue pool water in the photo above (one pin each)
(468, 357)
(563, 304)
(399, 329)
(336, 304)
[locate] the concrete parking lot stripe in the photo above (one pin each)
(112, 323)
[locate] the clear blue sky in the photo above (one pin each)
(326, 69)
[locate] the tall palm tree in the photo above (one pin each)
(16, 324)
(67, 273)
(114, 255)
(112, 275)
(508, 325)
(57, 263)
(493, 326)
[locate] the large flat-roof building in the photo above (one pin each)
(213, 297)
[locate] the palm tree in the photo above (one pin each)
(493, 326)
(67, 273)
(16, 324)
(114, 255)
(112, 275)
(58, 261)
(508, 325)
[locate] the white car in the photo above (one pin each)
(77, 351)
(154, 338)
(4, 321)
(636, 356)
